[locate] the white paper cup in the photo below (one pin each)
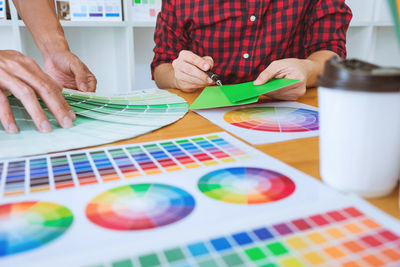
(359, 128)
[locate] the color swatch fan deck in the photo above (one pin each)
(207, 200)
(100, 119)
(267, 123)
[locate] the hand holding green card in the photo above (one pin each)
(237, 94)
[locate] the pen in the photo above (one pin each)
(214, 77)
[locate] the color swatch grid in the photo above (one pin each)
(98, 10)
(244, 185)
(80, 168)
(145, 9)
(140, 206)
(344, 237)
(28, 225)
(2, 9)
(274, 119)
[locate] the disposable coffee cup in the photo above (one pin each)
(359, 111)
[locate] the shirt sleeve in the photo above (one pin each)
(326, 27)
(168, 36)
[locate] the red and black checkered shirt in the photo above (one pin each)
(244, 37)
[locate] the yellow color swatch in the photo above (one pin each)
(314, 258)
(291, 262)
(297, 243)
(316, 238)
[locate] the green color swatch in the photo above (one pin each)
(277, 248)
(255, 254)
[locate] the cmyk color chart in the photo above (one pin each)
(207, 200)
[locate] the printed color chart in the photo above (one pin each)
(243, 185)
(28, 225)
(140, 206)
(344, 237)
(80, 168)
(274, 119)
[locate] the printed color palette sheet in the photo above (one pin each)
(101, 119)
(28, 176)
(344, 237)
(207, 200)
(267, 123)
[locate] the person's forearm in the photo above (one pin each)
(316, 67)
(42, 22)
(164, 76)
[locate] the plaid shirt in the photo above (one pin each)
(244, 37)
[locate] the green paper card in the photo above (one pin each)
(213, 97)
(243, 91)
(238, 94)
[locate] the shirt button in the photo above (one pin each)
(253, 18)
(246, 56)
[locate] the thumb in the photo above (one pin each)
(210, 61)
(81, 76)
(269, 73)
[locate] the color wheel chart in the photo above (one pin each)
(274, 119)
(24, 176)
(140, 206)
(28, 225)
(344, 237)
(244, 185)
(268, 122)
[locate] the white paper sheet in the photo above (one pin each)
(266, 123)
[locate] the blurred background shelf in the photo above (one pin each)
(120, 52)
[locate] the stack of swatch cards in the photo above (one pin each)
(101, 119)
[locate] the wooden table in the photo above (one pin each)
(302, 154)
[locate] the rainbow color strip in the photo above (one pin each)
(140, 206)
(244, 185)
(274, 119)
(28, 225)
(87, 167)
(345, 237)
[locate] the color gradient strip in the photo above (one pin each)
(15, 178)
(140, 206)
(61, 172)
(243, 185)
(287, 244)
(104, 166)
(83, 169)
(274, 119)
(39, 175)
(124, 163)
(28, 225)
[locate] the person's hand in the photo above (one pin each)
(290, 68)
(25, 80)
(69, 71)
(189, 71)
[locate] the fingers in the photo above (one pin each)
(269, 73)
(195, 60)
(28, 98)
(289, 93)
(210, 61)
(190, 70)
(84, 79)
(6, 116)
(24, 78)
(49, 92)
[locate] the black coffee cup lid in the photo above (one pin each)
(357, 75)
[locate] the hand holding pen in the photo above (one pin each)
(190, 71)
